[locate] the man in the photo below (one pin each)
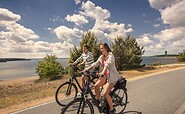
(87, 59)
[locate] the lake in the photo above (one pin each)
(20, 69)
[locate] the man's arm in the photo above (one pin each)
(78, 60)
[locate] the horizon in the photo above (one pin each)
(34, 28)
(169, 55)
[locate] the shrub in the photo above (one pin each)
(49, 68)
(181, 57)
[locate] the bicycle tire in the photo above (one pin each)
(77, 105)
(61, 93)
(116, 97)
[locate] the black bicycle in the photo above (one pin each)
(84, 105)
(69, 90)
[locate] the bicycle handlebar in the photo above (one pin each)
(88, 74)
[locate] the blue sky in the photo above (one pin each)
(34, 28)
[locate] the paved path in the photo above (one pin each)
(160, 94)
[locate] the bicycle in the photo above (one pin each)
(68, 90)
(84, 106)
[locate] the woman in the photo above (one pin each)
(108, 74)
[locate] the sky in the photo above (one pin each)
(34, 28)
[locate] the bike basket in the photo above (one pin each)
(121, 83)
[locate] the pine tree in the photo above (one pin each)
(127, 53)
(89, 39)
(181, 57)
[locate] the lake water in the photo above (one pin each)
(19, 69)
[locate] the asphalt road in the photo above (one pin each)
(159, 94)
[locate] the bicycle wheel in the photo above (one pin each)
(119, 99)
(78, 106)
(66, 93)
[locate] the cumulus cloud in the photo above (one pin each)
(174, 15)
(13, 30)
(68, 34)
(18, 41)
(110, 30)
(160, 4)
(145, 39)
(95, 12)
(101, 26)
(171, 34)
(6, 15)
(14, 37)
(77, 19)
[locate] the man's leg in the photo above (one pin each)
(84, 78)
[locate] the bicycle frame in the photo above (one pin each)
(88, 90)
(74, 78)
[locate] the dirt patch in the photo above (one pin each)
(26, 92)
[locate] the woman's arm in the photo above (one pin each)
(95, 64)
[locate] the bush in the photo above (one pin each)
(49, 68)
(181, 57)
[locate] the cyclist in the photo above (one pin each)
(108, 74)
(87, 59)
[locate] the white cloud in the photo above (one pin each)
(95, 12)
(77, 19)
(13, 30)
(77, 1)
(144, 40)
(6, 15)
(17, 41)
(67, 34)
(174, 15)
(160, 4)
(157, 25)
(98, 17)
(110, 30)
(172, 34)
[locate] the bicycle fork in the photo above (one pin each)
(68, 92)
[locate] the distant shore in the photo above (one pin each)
(13, 59)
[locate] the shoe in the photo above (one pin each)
(79, 94)
(112, 111)
(97, 102)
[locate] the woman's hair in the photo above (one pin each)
(106, 46)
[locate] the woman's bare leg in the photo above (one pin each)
(101, 81)
(107, 89)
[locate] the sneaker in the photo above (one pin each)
(112, 111)
(79, 94)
